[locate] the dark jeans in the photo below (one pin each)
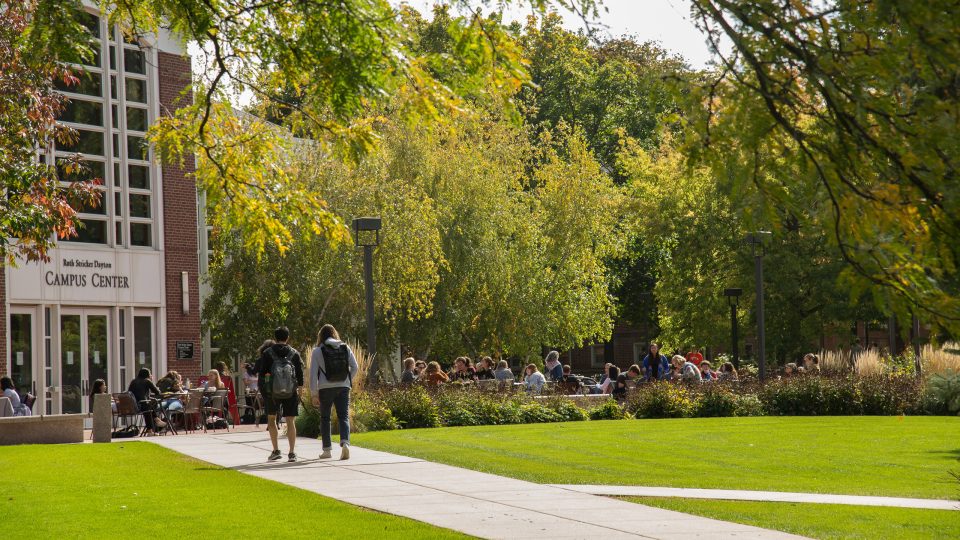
(339, 398)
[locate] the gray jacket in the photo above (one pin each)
(318, 380)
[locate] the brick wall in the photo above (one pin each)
(4, 357)
(180, 230)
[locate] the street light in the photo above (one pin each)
(755, 239)
(366, 234)
(733, 296)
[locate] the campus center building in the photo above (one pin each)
(124, 293)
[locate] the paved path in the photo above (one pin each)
(479, 504)
(764, 496)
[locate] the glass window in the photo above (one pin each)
(139, 205)
(79, 111)
(114, 118)
(136, 119)
(137, 148)
(113, 58)
(90, 231)
(136, 90)
(119, 240)
(138, 177)
(113, 87)
(21, 351)
(117, 206)
(133, 61)
(99, 206)
(143, 341)
(88, 84)
(91, 22)
(116, 174)
(87, 142)
(89, 170)
(140, 234)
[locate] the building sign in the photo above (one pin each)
(105, 276)
(96, 279)
(184, 350)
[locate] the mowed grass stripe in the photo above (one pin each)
(825, 521)
(885, 456)
(142, 490)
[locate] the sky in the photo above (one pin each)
(666, 21)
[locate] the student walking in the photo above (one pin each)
(332, 368)
(280, 373)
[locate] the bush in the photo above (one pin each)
(308, 420)
(715, 401)
(566, 410)
(412, 408)
(841, 397)
(661, 400)
(749, 405)
(888, 394)
(797, 396)
(609, 410)
(371, 414)
(535, 413)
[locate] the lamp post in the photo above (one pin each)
(366, 234)
(733, 296)
(755, 239)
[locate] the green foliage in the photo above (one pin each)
(413, 408)
(835, 113)
(371, 414)
(609, 410)
(715, 400)
(661, 400)
(308, 420)
(892, 394)
(944, 392)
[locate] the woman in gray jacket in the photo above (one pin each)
(332, 369)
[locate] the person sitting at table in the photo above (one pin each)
(707, 372)
(419, 368)
(171, 383)
(249, 378)
(100, 387)
(569, 383)
(142, 388)
(728, 373)
(409, 375)
(227, 380)
(609, 379)
(10, 391)
(485, 369)
(434, 376)
(213, 382)
(533, 380)
(462, 371)
(621, 386)
(687, 372)
(503, 373)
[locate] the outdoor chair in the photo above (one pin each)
(255, 404)
(215, 407)
(190, 413)
(126, 412)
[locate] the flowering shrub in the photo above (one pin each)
(609, 410)
(715, 400)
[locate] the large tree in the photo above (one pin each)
(860, 102)
(36, 208)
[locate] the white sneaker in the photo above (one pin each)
(326, 455)
(344, 453)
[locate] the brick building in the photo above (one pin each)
(123, 295)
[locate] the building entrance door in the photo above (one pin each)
(24, 368)
(85, 355)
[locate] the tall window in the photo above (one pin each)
(109, 109)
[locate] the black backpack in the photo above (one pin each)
(283, 376)
(336, 361)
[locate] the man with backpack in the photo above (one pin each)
(332, 369)
(280, 376)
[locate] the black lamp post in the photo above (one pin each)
(733, 296)
(755, 239)
(366, 234)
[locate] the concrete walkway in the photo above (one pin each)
(478, 504)
(763, 496)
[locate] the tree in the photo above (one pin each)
(36, 207)
(859, 100)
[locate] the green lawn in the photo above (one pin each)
(142, 490)
(893, 456)
(827, 521)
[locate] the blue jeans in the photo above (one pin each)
(339, 398)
